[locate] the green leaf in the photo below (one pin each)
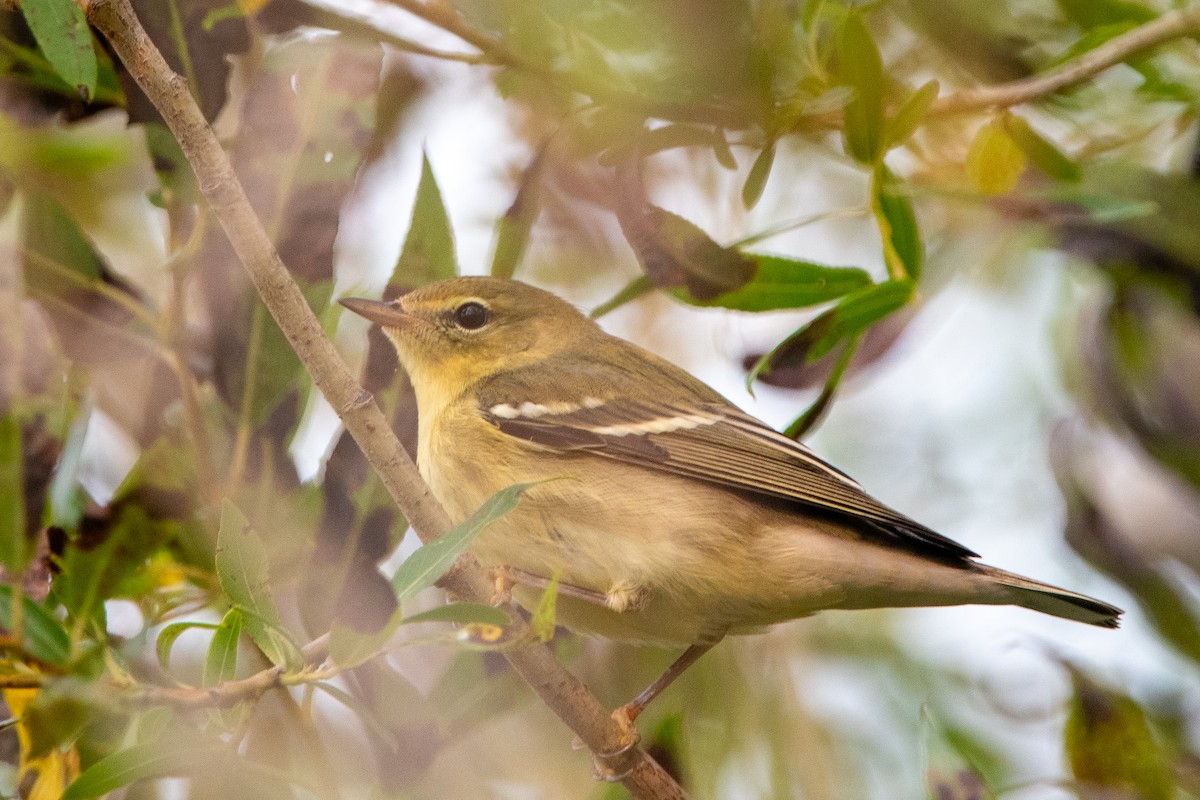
(787, 283)
(62, 33)
(676, 252)
(242, 567)
(364, 713)
(349, 647)
(463, 614)
(431, 561)
(428, 253)
(512, 229)
(273, 640)
(994, 162)
(59, 259)
(813, 414)
(62, 709)
(13, 550)
(911, 114)
(45, 637)
(722, 151)
(168, 635)
(1110, 745)
(545, 614)
(1044, 155)
(67, 498)
(903, 251)
(1096, 13)
(627, 294)
(133, 764)
(220, 663)
(241, 563)
(861, 68)
(850, 317)
(863, 309)
(756, 181)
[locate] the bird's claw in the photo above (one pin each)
(503, 581)
(614, 765)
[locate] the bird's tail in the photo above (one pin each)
(1052, 600)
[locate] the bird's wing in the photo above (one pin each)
(713, 441)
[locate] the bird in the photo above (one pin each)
(664, 513)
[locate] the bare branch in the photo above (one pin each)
(1172, 25)
(560, 690)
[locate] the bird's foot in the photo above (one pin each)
(503, 581)
(615, 764)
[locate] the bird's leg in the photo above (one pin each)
(619, 598)
(628, 713)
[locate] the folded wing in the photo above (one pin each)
(714, 442)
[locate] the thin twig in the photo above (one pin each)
(560, 690)
(1172, 25)
(227, 693)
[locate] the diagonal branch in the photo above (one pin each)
(1172, 25)
(560, 690)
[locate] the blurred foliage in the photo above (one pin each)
(148, 403)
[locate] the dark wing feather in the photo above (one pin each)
(714, 442)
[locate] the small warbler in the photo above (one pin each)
(685, 518)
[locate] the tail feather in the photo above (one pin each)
(1052, 600)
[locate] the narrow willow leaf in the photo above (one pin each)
(861, 310)
(348, 648)
(141, 761)
(220, 663)
(722, 151)
(45, 638)
(363, 712)
(463, 614)
(241, 562)
(788, 283)
(630, 292)
(242, 568)
(273, 640)
(903, 251)
(675, 252)
(545, 614)
(168, 635)
(861, 68)
(62, 33)
(911, 114)
(428, 253)
(512, 229)
(813, 414)
(850, 317)
(674, 136)
(1044, 155)
(13, 550)
(430, 562)
(67, 498)
(994, 162)
(756, 181)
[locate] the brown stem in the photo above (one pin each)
(560, 690)
(1172, 25)
(227, 693)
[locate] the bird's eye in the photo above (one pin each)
(471, 315)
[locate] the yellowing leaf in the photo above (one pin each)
(994, 162)
(54, 770)
(545, 615)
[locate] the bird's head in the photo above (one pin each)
(462, 330)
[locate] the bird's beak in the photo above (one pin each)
(389, 315)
